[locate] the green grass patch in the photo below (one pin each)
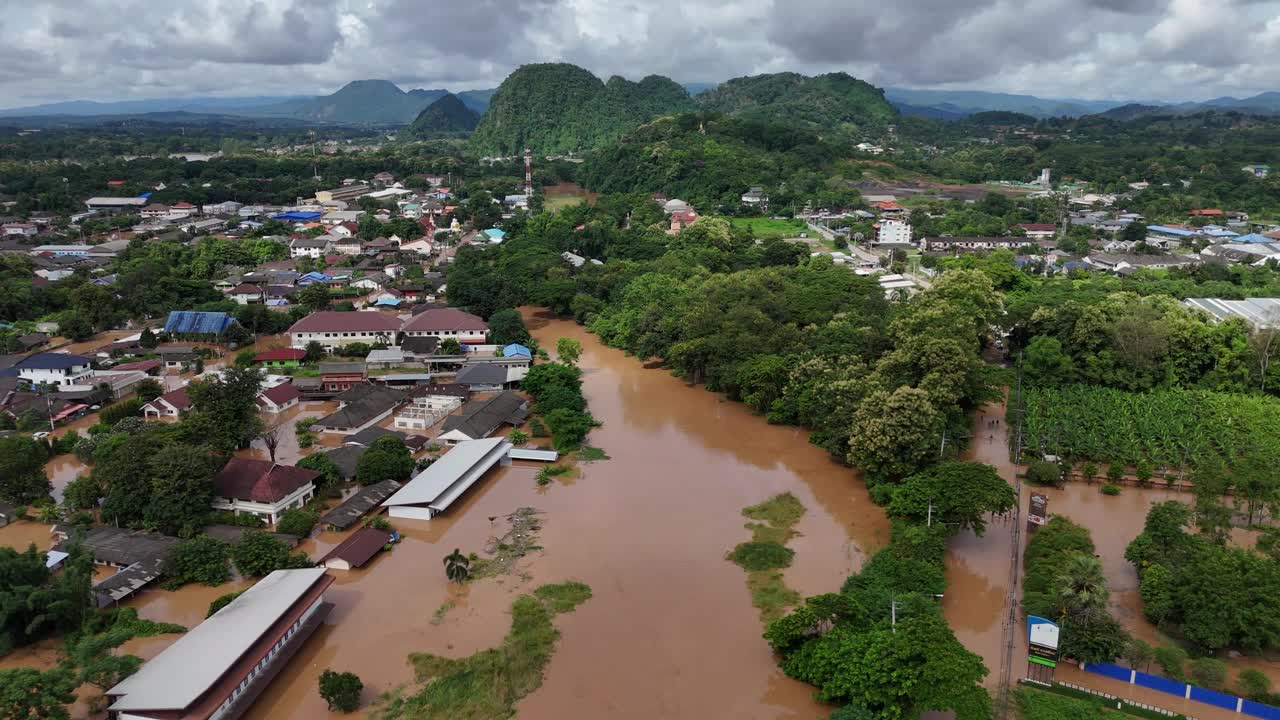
(488, 684)
(556, 203)
(762, 556)
(589, 454)
(767, 553)
(438, 616)
(1064, 703)
(763, 227)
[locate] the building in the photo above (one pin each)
(361, 407)
(155, 211)
(1126, 264)
(342, 376)
(196, 322)
(425, 411)
(1258, 171)
(447, 323)
(115, 205)
(279, 398)
(218, 668)
(172, 404)
(261, 488)
(1038, 231)
(175, 357)
(480, 418)
(894, 232)
(433, 490)
(79, 250)
(358, 549)
(336, 329)
(482, 377)
(20, 229)
(247, 294)
(314, 248)
(354, 507)
(1259, 313)
(280, 358)
(61, 370)
(756, 198)
(956, 244)
(346, 193)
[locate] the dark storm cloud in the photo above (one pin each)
(1139, 49)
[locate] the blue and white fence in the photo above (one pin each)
(1193, 692)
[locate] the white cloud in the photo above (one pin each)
(1134, 49)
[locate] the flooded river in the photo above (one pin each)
(670, 631)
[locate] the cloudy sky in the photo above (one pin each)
(1132, 49)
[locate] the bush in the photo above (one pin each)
(1040, 472)
(1209, 673)
(1115, 472)
(258, 554)
(222, 601)
(538, 428)
(226, 517)
(202, 559)
(113, 414)
(341, 691)
(762, 556)
(298, 521)
(1171, 660)
(1253, 684)
(1110, 489)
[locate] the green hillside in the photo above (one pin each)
(367, 101)
(823, 102)
(558, 107)
(446, 117)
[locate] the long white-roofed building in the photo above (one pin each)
(433, 490)
(217, 669)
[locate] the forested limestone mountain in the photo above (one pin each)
(822, 102)
(558, 107)
(445, 117)
(367, 101)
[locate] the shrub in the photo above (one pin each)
(1115, 472)
(1110, 489)
(341, 691)
(1040, 472)
(1143, 472)
(113, 414)
(202, 559)
(1171, 660)
(538, 428)
(297, 521)
(762, 555)
(222, 601)
(1209, 673)
(1253, 684)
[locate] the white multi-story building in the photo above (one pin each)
(335, 329)
(448, 323)
(316, 247)
(894, 232)
(61, 370)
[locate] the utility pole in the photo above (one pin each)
(893, 615)
(929, 523)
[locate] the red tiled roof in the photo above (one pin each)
(259, 480)
(183, 206)
(333, 321)
(360, 547)
(446, 319)
(888, 205)
(278, 354)
(245, 289)
(177, 398)
(141, 365)
(281, 394)
(1210, 212)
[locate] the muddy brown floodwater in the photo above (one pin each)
(670, 631)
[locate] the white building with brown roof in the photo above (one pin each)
(261, 488)
(334, 329)
(448, 323)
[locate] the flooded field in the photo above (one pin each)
(566, 194)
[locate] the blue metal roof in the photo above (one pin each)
(52, 361)
(297, 215)
(515, 349)
(1253, 238)
(389, 302)
(145, 195)
(1166, 230)
(189, 322)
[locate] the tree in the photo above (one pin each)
(341, 691)
(222, 601)
(1080, 589)
(457, 567)
(506, 327)
(1157, 592)
(568, 427)
(1040, 472)
(225, 410)
(148, 339)
(149, 390)
(201, 559)
(1209, 673)
(1090, 472)
(181, 484)
(330, 474)
(895, 434)
(82, 493)
(569, 350)
(272, 435)
(315, 352)
(297, 521)
(517, 438)
(258, 554)
(1139, 654)
(961, 494)
(386, 459)
(450, 346)
(22, 478)
(1253, 684)
(314, 297)
(30, 693)
(1044, 363)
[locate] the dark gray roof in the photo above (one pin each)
(481, 374)
(346, 458)
(367, 436)
(359, 412)
(341, 368)
(479, 418)
(128, 581)
(234, 533)
(354, 507)
(125, 547)
(420, 345)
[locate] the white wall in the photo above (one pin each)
(337, 339)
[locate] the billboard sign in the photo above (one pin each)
(1042, 641)
(1039, 514)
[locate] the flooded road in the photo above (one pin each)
(670, 630)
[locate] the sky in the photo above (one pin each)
(1104, 49)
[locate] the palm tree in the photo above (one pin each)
(457, 567)
(1081, 587)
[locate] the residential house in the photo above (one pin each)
(247, 294)
(421, 246)
(154, 211)
(61, 370)
(482, 377)
(173, 404)
(385, 358)
(494, 235)
(425, 410)
(20, 229)
(360, 407)
(1258, 171)
(261, 488)
(279, 398)
(314, 248)
(1125, 264)
(894, 232)
(419, 348)
(228, 207)
(217, 669)
(889, 209)
(280, 357)
(334, 218)
(480, 418)
(181, 210)
(175, 357)
(447, 323)
(956, 244)
(349, 245)
(516, 350)
(342, 376)
(384, 179)
(1169, 232)
(365, 499)
(756, 198)
(336, 329)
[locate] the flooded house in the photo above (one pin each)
(172, 404)
(365, 499)
(357, 549)
(360, 407)
(433, 490)
(261, 488)
(480, 418)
